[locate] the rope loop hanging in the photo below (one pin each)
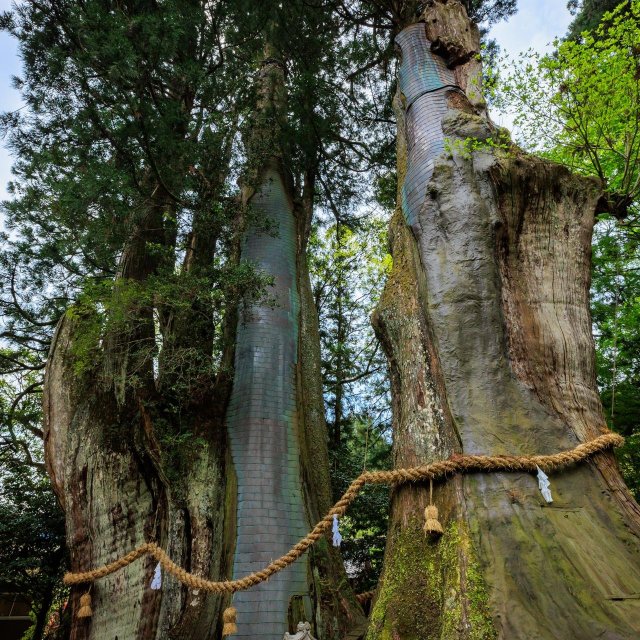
(455, 464)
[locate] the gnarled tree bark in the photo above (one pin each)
(110, 469)
(485, 321)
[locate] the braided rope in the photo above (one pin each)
(365, 597)
(443, 468)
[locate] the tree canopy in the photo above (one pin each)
(137, 132)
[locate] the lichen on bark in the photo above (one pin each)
(105, 464)
(486, 326)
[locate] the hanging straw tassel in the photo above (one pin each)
(432, 526)
(85, 610)
(229, 619)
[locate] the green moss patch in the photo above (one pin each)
(431, 590)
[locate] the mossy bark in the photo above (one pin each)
(485, 321)
(134, 453)
(120, 487)
(435, 570)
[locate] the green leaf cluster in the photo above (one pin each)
(580, 105)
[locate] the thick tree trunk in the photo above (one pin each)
(106, 467)
(138, 455)
(275, 417)
(120, 476)
(485, 321)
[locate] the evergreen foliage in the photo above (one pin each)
(364, 446)
(349, 264)
(488, 12)
(125, 212)
(588, 14)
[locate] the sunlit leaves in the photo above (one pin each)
(580, 106)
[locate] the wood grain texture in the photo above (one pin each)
(115, 496)
(486, 325)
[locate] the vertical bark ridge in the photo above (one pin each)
(119, 487)
(553, 353)
(480, 302)
(496, 413)
(105, 467)
(109, 506)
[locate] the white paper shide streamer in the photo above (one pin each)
(545, 485)
(156, 583)
(337, 538)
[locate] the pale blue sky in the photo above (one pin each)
(535, 25)
(9, 98)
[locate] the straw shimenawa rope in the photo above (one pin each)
(365, 597)
(455, 464)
